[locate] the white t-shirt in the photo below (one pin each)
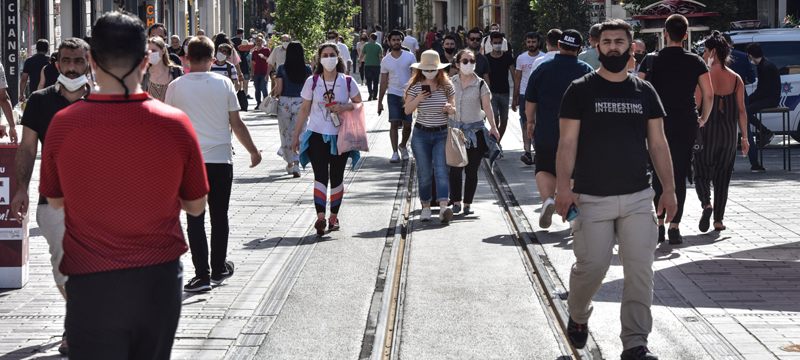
(344, 52)
(207, 98)
(399, 71)
(379, 34)
(319, 120)
(3, 82)
(411, 43)
(487, 45)
(525, 64)
(549, 55)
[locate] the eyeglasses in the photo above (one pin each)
(474, 39)
(430, 71)
(465, 61)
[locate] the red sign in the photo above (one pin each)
(13, 239)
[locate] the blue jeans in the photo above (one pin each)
(500, 104)
(260, 84)
(428, 147)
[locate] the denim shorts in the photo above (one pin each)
(396, 111)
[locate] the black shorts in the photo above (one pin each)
(545, 159)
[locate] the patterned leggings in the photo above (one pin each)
(326, 167)
(288, 108)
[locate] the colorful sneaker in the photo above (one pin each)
(333, 224)
(217, 279)
(197, 284)
(320, 226)
(577, 334)
(638, 353)
(546, 213)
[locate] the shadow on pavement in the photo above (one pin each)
(265, 179)
(27, 352)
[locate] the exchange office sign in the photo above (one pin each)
(10, 51)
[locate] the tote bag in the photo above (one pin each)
(456, 148)
(353, 130)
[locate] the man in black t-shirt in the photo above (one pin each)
(676, 73)
(609, 123)
(42, 106)
(501, 64)
(32, 68)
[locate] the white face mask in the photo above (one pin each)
(329, 63)
(186, 49)
(154, 57)
(285, 44)
(467, 69)
(430, 75)
(221, 57)
(497, 47)
(73, 84)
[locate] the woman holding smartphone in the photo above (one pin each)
(430, 93)
(325, 94)
(474, 105)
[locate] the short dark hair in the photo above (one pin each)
(475, 31)
(553, 36)
(118, 40)
(396, 33)
(155, 26)
(73, 44)
(594, 32)
(450, 37)
(676, 27)
(239, 31)
(201, 48)
(378, 28)
(332, 32)
(496, 35)
(532, 35)
(617, 24)
(42, 45)
(373, 36)
(755, 51)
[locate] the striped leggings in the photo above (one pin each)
(327, 168)
(714, 164)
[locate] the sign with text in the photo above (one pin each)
(150, 12)
(10, 50)
(13, 234)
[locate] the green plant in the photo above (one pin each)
(309, 20)
(424, 14)
(522, 22)
(562, 14)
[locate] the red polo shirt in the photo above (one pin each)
(122, 166)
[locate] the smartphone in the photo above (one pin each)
(572, 213)
(426, 88)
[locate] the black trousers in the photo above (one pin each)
(124, 314)
(372, 74)
(755, 106)
(681, 151)
(474, 156)
(220, 181)
(327, 168)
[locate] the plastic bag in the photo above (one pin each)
(353, 130)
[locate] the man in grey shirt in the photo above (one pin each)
(590, 56)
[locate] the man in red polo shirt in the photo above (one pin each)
(122, 166)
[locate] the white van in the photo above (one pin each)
(782, 48)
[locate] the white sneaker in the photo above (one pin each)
(403, 152)
(546, 213)
(445, 215)
(425, 215)
(395, 158)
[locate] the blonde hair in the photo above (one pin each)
(162, 46)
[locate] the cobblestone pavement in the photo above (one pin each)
(735, 294)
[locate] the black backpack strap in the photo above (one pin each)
(228, 68)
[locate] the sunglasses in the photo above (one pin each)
(465, 61)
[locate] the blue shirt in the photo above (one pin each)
(291, 89)
(546, 87)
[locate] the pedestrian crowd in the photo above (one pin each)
(614, 133)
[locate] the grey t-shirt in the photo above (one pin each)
(468, 100)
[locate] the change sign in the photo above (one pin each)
(10, 51)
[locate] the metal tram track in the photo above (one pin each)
(382, 334)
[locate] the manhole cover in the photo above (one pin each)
(791, 348)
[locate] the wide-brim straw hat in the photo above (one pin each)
(429, 60)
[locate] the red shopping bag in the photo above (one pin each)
(353, 130)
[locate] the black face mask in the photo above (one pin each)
(639, 57)
(614, 63)
(450, 50)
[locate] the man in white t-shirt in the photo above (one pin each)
(410, 42)
(395, 73)
(209, 99)
(344, 51)
(552, 48)
(486, 43)
(522, 72)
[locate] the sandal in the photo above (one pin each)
(720, 227)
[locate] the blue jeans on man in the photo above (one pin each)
(260, 85)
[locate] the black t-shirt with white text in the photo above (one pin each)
(612, 157)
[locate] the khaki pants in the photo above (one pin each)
(631, 220)
(51, 224)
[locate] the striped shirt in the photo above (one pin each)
(430, 111)
(227, 70)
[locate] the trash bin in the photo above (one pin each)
(13, 234)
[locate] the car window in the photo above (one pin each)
(781, 53)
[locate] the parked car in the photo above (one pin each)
(781, 47)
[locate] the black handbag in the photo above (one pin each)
(242, 97)
(698, 141)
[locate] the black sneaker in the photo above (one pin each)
(197, 284)
(675, 237)
(757, 169)
(217, 279)
(661, 235)
(638, 353)
(577, 334)
(527, 158)
(705, 220)
(63, 348)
